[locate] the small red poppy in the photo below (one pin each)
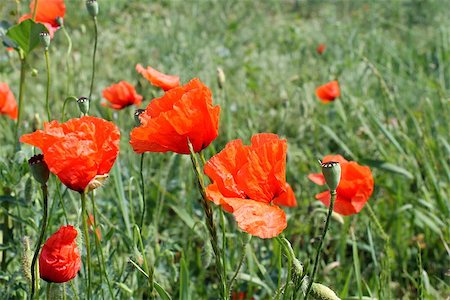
(250, 182)
(329, 91)
(8, 104)
(355, 186)
(121, 95)
(321, 48)
(46, 13)
(183, 113)
(80, 151)
(60, 258)
(166, 82)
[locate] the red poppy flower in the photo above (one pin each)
(121, 95)
(183, 113)
(250, 183)
(46, 13)
(240, 296)
(166, 82)
(355, 187)
(8, 104)
(329, 91)
(321, 48)
(80, 152)
(60, 258)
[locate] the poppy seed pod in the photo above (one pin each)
(137, 113)
(92, 7)
(83, 104)
(332, 173)
(39, 168)
(44, 38)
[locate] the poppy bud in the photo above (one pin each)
(37, 123)
(39, 168)
(220, 77)
(96, 182)
(83, 104)
(60, 21)
(332, 173)
(44, 38)
(92, 7)
(319, 291)
(34, 72)
(137, 113)
(26, 258)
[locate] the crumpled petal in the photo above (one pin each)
(166, 82)
(258, 218)
(121, 95)
(8, 104)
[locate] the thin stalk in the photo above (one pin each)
(147, 269)
(224, 244)
(36, 2)
(49, 289)
(238, 269)
(319, 248)
(64, 106)
(34, 282)
(63, 291)
(86, 238)
(68, 53)
(93, 58)
(209, 221)
(47, 94)
(21, 89)
(99, 247)
(142, 191)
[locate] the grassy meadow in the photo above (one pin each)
(392, 61)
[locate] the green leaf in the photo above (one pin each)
(184, 280)
(379, 164)
(161, 291)
(26, 35)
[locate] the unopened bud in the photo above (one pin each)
(44, 38)
(37, 123)
(321, 292)
(96, 182)
(26, 257)
(83, 104)
(34, 72)
(137, 113)
(220, 77)
(332, 173)
(59, 21)
(39, 168)
(92, 7)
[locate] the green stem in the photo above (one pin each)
(47, 94)
(99, 247)
(147, 269)
(64, 106)
(241, 262)
(319, 248)
(63, 291)
(209, 221)
(372, 214)
(34, 271)
(86, 238)
(21, 89)
(35, 9)
(49, 289)
(69, 51)
(93, 58)
(142, 191)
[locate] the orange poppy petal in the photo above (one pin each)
(213, 193)
(286, 198)
(317, 178)
(166, 82)
(329, 91)
(257, 218)
(8, 104)
(337, 158)
(48, 10)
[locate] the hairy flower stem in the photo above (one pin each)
(36, 3)
(319, 247)
(68, 53)
(21, 88)
(147, 269)
(209, 221)
(93, 57)
(47, 94)
(34, 271)
(99, 247)
(84, 217)
(142, 191)
(241, 262)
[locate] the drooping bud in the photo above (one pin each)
(321, 292)
(96, 182)
(44, 38)
(220, 77)
(39, 168)
(332, 173)
(37, 123)
(59, 21)
(26, 257)
(137, 113)
(34, 72)
(92, 7)
(83, 104)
